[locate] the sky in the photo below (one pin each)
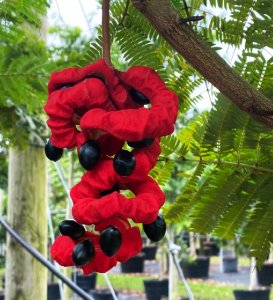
(85, 14)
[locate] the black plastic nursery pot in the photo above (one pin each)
(199, 268)
(265, 275)
(134, 264)
(150, 252)
(53, 291)
(156, 289)
(212, 246)
(86, 282)
(262, 294)
(206, 251)
(102, 294)
(230, 264)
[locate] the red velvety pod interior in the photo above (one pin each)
(147, 81)
(62, 249)
(101, 263)
(137, 124)
(63, 104)
(131, 244)
(108, 114)
(103, 177)
(120, 223)
(131, 237)
(89, 207)
(146, 159)
(108, 144)
(117, 92)
(84, 94)
(63, 246)
(76, 75)
(143, 208)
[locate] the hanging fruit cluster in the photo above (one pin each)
(97, 109)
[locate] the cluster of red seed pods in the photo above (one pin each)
(98, 109)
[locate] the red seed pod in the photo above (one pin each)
(98, 109)
(137, 124)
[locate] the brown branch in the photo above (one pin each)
(106, 32)
(186, 8)
(191, 19)
(167, 21)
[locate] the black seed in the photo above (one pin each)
(83, 253)
(155, 231)
(115, 188)
(110, 241)
(71, 228)
(89, 154)
(138, 97)
(124, 163)
(52, 152)
(141, 144)
(68, 85)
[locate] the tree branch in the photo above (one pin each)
(167, 21)
(106, 32)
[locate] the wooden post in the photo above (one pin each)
(26, 278)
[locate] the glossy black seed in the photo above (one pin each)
(52, 152)
(110, 241)
(141, 144)
(71, 228)
(138, 97)
(83, 253)
(155, 231)
(115, 188)
(89, 154)
(124, 163)
(68, 85)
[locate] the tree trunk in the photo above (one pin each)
(26, 278)
(253, 280)
(192, 244)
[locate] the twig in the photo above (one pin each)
(219, 162)
(106, 32)
(186, 8)
(190, 19)
(125, 13)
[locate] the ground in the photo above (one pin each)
(218, 286)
